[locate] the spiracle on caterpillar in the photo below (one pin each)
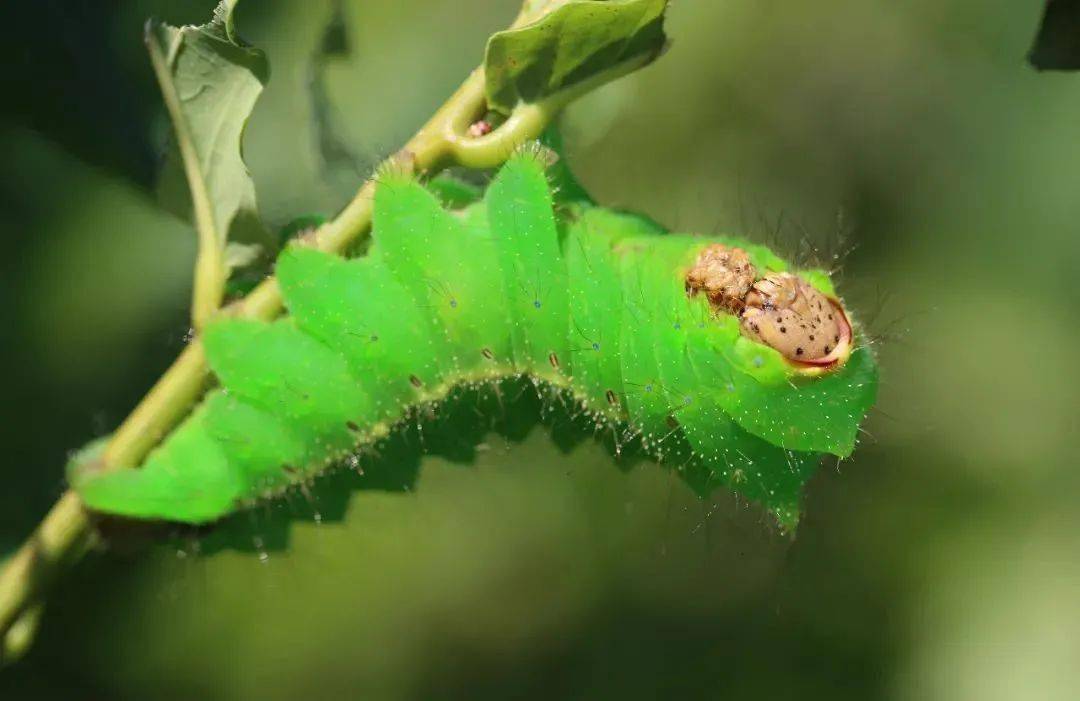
(711, 350)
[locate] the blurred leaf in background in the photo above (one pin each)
(940, 563)
(1057, 46)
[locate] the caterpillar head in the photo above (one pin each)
(724, 274)
(781, 310)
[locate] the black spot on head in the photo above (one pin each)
(453, 304)
(595, 346)
(536, 303)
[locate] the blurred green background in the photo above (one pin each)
(910, 138)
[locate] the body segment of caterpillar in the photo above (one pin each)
(599, 304)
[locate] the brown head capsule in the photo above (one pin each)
(724, 274)
(784, 311)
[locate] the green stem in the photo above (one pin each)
(527, 121)
(210, 269)
(60, 538)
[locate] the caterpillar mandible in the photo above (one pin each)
(720, 358)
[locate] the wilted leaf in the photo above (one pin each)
(578, 41)
(210, 81)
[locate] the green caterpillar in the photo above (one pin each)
(723, 363)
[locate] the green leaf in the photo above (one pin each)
(210, 81)
(579, 44)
